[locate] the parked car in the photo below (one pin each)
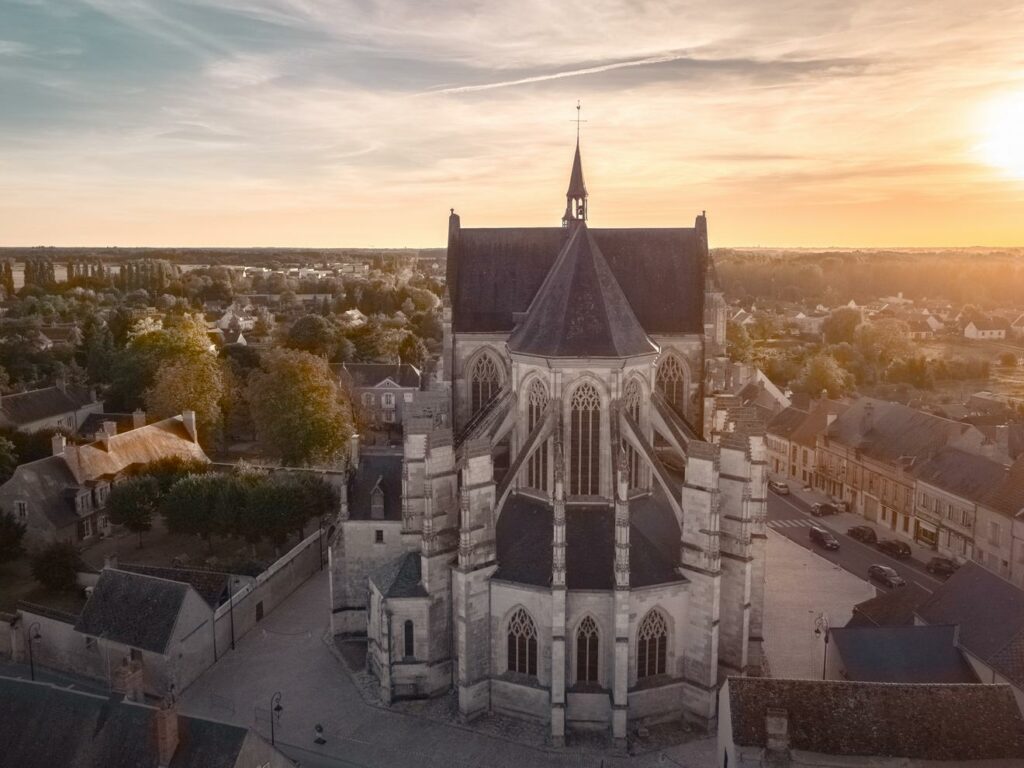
(820, 510)
(942, 566)
(824, 538)
(893, 548)
(779, 487)
(886, 576)
(863, 533)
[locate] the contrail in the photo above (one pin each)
(663, 58)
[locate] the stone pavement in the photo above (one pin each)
(799, 586)
(287, 653)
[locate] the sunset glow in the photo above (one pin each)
(339, 122)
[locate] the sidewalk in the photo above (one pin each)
(843, 521)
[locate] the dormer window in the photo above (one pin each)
(377, 501)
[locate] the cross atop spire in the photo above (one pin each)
(578, 121)
(576, 196)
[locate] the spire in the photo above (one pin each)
(576, 195)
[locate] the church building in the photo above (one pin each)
(582, 543)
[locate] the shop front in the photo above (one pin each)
(926, 533)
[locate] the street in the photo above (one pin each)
(790, 516)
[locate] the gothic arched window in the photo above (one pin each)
(672, 383)
(651, 645)
(484, 382)
(522, 644)
(587, 651)
(585, 441)
(631, 402)
(537, 471)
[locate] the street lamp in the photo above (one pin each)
(275, 709)
(821, 629)
(33, 635)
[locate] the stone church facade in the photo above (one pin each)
(584, 544)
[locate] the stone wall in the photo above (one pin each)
(354, 553)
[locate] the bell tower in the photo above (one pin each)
(576, 196)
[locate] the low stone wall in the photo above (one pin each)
(7, 634)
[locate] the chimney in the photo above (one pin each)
(138, 418)
(58, 443)
(776, 729)
(353, 450)
(189, 417)
(166, 731)
(107, 431)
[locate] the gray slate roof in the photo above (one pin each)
(133, 609)
(1008, 496)
(786, 422)
(43, 726)
(495, 273)
(212, 586)
(917, 721)
(902, 654)
(580, 310)
(400, 577)
(387, 468)
(38, 404)
(372, 374)
(964, 474)
(894, 608)
(990, 613)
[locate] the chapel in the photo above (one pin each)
(578, 537)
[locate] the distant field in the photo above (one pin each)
(1004, 380)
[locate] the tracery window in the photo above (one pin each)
(522, 644)
(587, 651)
(631, 402)
(537, 470)
(651, 645)
(671, 381)
(585, 441)
(485, 381)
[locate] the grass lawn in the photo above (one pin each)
(17, 584)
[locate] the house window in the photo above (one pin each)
(21, 510)
(410, 644)
(367, 399)
(378, 536)
(586, 651)
(389, 417)
(631, 399)
(585, 441)
(671, 382)
(906, 524)
(388, 399)
(651, 645)
(994, 533)
(485, 381)
(522, 644)
(537, 471)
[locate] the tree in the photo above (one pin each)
(56, 566)
(132, 503)
(8, 459)
(190, 382)
(882, 343)
(190, 507)
(12, 531)
(312, 333)
(1008, 359)
(821, 373)
(840, 325)
(738, 342)
(413, 351)
(297, 408)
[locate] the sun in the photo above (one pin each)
(1003, 129)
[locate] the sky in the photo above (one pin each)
(362, 122)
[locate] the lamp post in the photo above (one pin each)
(275, 709)
(821, 629)
(33, 635)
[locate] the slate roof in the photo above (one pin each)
(1008, 496)
(133, 609)
(370, 375)
(580, 310)
(576, 186)
(965, 474)
(93, 423)
(524, 536)
(43, 726)
(400, 577)
(916, 721)
(807, 433)
(212, 586)
(921, 654)
(890, 432)
(990, 613)
(387, 468)
(48, 402)
(894, 608)
(495, 273)
(786, 422)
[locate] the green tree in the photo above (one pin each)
(190, 382)
(298, 409)
(56, 565)
(191, 507)
(840, 325)
(8, 459)
(413, 351)
(822, 373)
(132, 503)
(882, 343)
(738, 342)
(312, 333)
(12, 531)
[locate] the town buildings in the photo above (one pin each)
(586, 546)
(63, 407)
(382, 390)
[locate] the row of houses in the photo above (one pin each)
(948, 485)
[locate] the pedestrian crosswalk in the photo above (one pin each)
(795, 522)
